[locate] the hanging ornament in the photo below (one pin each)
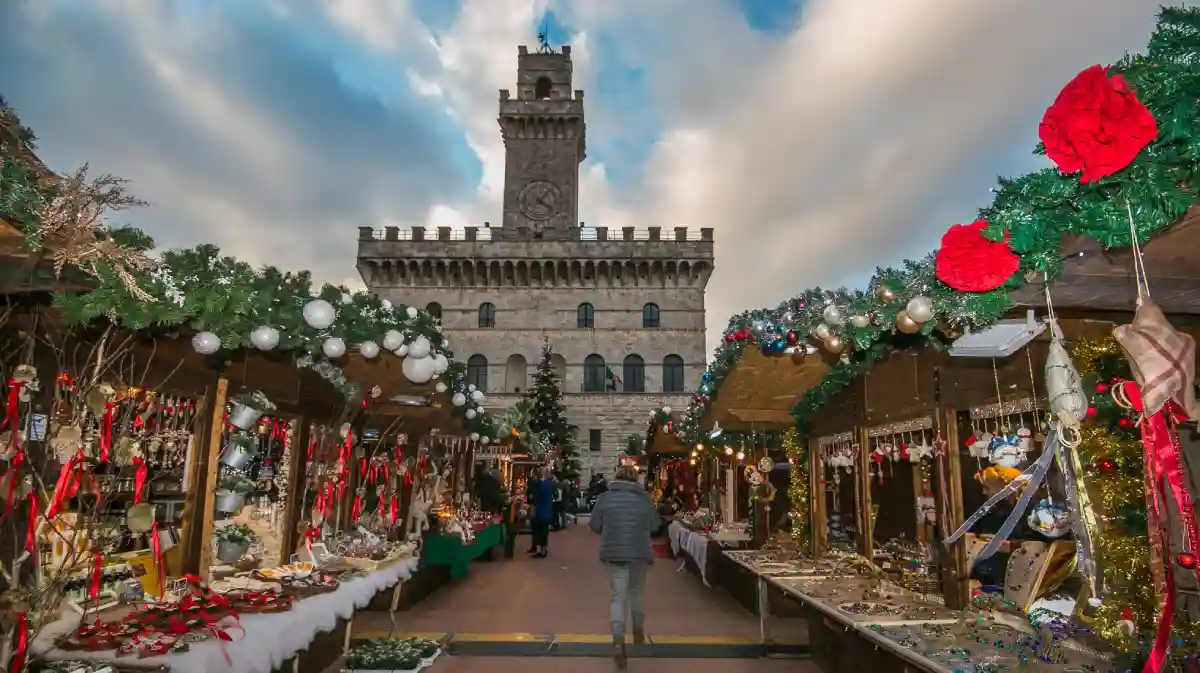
(906, 324)
(418, 370)
(402, 351)
(792, 338)
(440, 387)
(392, 339)
(411, 312)
(833, 344)
(368, 349)
(387, 305)
(920, 309)
(458, 399)
(477, 396)
(474, 436)
(833, 315)
(419, 348)
(471, 414)
(860, 321)
(821, 331)
(333, 347)
(206, 343)
(884, 294)
(441, 364)
(264, 338)
(319, 314)
(485, 439)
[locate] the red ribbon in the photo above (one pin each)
(12, 419)
(1164, 470)
(66, 486)
(18, 660)
(31, 531)
(356, 508)
(362, 467)
(312, 442)
(279, 428)
(158, 561)
(395, 511)
(139, 480)
(382, 506)
(106, 431)
(97, 575)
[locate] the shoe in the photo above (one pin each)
(639, 636)
(619, 657)
(531, 550)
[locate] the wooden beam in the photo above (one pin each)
(866, 528)
(202, 482)
(816, 495)
(297, 483)
(956, 585)
(780, 418)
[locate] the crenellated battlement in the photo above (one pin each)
(489, 233)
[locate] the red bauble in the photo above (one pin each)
(1091, 411)
(728, 338)
(1096, 125)
(793, 338)
(1124, 422)
(1102, 387)
(740, 335)
(1106, 466)
(969, 262)
(1186, 560)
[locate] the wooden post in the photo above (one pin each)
(918, 485)
(202, 484)
(297, 483)
(866, 527)
(816, 495)
(955, 576)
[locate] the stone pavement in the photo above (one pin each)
(568, 593)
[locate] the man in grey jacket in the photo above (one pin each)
(625, 518)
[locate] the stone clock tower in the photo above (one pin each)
(544, 136)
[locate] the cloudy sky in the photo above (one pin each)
(820, 138)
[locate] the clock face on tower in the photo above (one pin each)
(540, 200)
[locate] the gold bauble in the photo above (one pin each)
(833, 344)
(884, 294)
(906, 324)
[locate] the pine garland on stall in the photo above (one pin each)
(548, 416)
(797, 453)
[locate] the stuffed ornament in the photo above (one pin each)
(917, 452)
(979, 446)
(1005, 450)
(1051, 520)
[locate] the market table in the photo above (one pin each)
(449, 550)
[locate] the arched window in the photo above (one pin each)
(672, 374)
(434, 309)
(651, 316)
(487, 314)
(541, 89)
(559, 364)
(595, 374)
(514, 374)
(477, 367)
(634, 373)
(585, 316)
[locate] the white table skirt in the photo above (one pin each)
(693, 544)
(268, 639)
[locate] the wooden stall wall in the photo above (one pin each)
(840, 416)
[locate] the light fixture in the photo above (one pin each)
(693, 454)
(691, 461)
(410, 401)
(1000, 340)
(699, 447)
(716, 431)
(728, 451)
(741, 455)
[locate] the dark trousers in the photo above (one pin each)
(541, 533)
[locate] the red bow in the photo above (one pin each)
(139, 479)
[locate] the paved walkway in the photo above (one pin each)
(568, 593)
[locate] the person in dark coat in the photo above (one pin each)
(490, 491)
(543, 512)
(625, 518)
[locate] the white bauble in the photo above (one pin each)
(860, 321)
(347, 299)
(392, 339)
(387, 305)
(206, 343)
(440, 362)
(265, 337)
(666, 410)
(440, 387)
(920, 309)
(418, 370)
(833, 315)
(474, 436)
(470, 414)
(821, 331)
(368, 349)
(471, 388)
(652, 412)
(319, 314)
(477, 396)
(486, 440)
(458, 399)
(402, 351)
(419, 348)
(480, 409)
(410, 312)
(333, 347)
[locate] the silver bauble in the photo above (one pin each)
(265, 337)
(319, 314)
(920, 309)
(833, 315)
(206, 343)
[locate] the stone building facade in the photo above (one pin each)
(623, 309)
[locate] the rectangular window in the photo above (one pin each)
(594, 440)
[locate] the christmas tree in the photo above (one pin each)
(549, 416)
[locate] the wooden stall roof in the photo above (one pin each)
(760, 390)
(1097, 279)
(23, 271)
(400, 414)
(664, 443)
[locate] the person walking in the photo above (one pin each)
(543, 513)
(625, 519)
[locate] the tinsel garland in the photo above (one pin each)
(1113, 460)
(798, 496)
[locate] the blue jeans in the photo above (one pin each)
(628, 591)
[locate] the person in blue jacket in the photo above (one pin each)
(543, 512)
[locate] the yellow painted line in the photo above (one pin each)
(498, 638)
(371, 635)
(583, 638)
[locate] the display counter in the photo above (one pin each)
(452, 552)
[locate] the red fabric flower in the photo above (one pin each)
(969, 262)
(1096, 125)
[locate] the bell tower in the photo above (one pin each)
(544, 140)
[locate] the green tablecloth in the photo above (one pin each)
(449, 550)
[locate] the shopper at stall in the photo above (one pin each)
(489, 491)
(625, 518)
(542, 511)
